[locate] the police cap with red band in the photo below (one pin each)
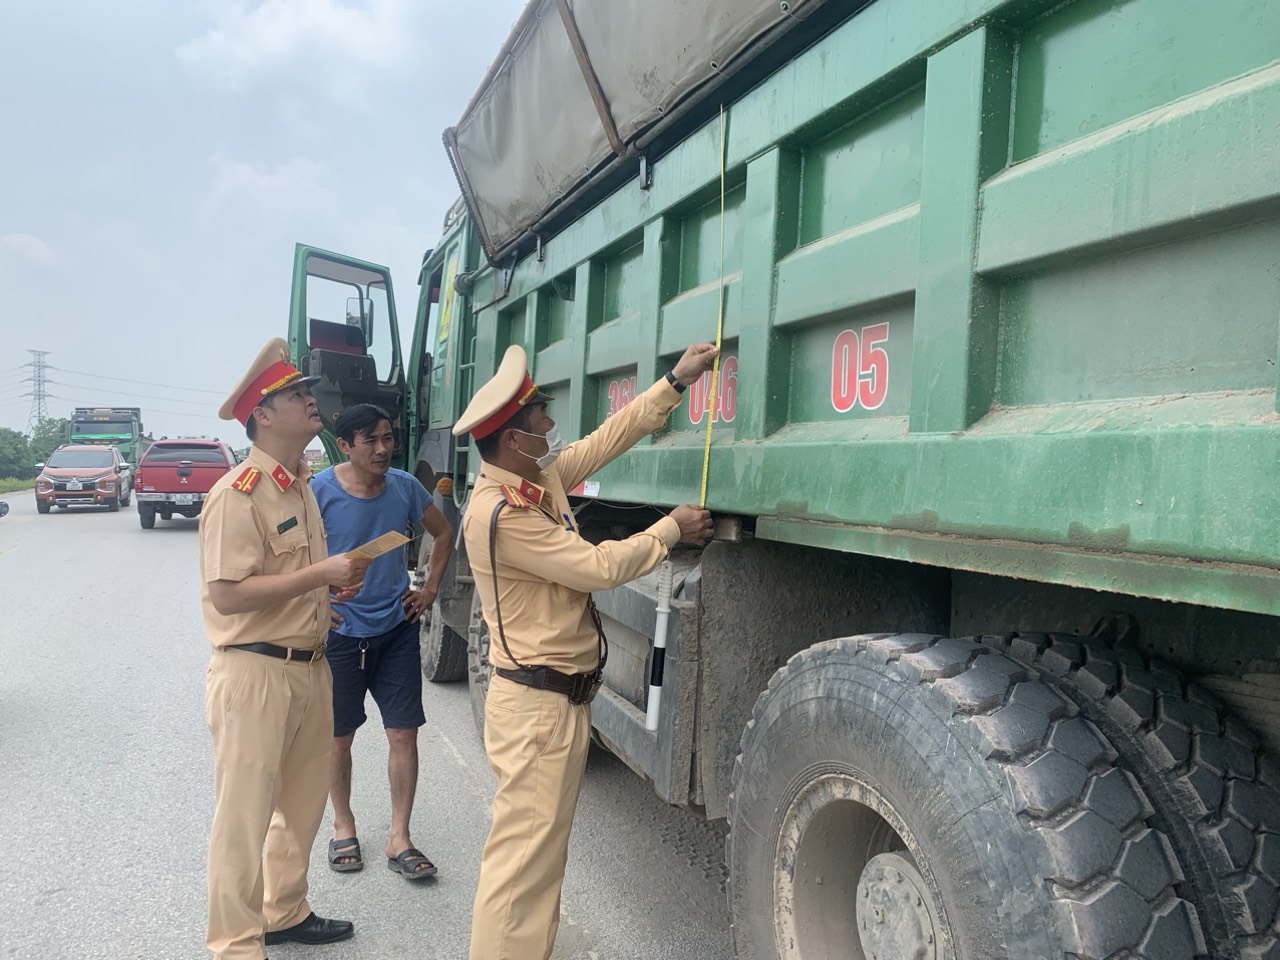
(270, 373)
(507, 392)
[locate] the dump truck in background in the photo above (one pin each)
(120, 427)
(987, 662)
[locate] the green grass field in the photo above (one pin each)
(10, 484)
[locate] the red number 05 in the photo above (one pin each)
(860, 368)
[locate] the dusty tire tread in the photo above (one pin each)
(450, 663)
(1203, 768)
(1113, 877)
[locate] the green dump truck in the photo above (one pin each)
(118, 426)
(987, 661)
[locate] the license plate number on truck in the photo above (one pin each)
(74, 485)
(183, 498)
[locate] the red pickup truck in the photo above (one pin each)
(176, 474)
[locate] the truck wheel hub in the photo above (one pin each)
(895, 916)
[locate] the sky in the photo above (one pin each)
(160, 159)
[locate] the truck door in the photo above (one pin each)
(342, 328)
(444, 340)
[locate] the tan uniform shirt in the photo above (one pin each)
(546, 570)
(262, 519)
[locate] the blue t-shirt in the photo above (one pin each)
(351, 521)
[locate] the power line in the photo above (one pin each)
(144, 383)
(126, 393)
(183, 413)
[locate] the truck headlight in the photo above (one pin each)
(106, 484)
(43, 485)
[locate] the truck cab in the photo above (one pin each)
(119, 426)
(333, 295)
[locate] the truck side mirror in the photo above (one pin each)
(39, 466)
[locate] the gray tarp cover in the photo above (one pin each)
(533, 133)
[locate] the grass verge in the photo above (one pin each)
(13, 484)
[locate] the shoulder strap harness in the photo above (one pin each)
(497, 608)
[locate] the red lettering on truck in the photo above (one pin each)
(860, 368)
(726, 405)
(620, 392)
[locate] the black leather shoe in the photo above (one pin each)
(313, 930)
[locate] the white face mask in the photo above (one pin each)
(555, 444)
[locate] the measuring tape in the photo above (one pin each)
(715, 364)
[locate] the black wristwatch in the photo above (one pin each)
(671, 379)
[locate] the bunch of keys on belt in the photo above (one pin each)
(364, 646)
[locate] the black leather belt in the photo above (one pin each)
(288, 654)
(578, 687)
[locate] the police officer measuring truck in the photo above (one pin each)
(534, 573)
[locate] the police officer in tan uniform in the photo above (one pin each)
(534, 574)
(265, 581)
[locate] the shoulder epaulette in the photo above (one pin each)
(247, 480)
(513, 496)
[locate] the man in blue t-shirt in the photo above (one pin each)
(373, 646)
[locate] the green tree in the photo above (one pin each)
(48, 434)
(15, 455)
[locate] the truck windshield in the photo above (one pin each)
(96, 427)
(177, 453)
(80, 458)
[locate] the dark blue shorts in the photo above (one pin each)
(392, 673)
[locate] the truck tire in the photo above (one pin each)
(478, 668)
(114, 505)
(916, 796)
(444, 653)
(1211, 785)
(42, 507)
(147, 518)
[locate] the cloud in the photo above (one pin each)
(254, 195)
(334, 46)
(24, 244)
(252, 213)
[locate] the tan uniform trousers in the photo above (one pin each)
(537, 745)
(272, 726)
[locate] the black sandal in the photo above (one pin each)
(408, 862)
(340, 850)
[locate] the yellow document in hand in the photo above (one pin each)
(379, 545)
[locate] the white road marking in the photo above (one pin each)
(448, 745)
